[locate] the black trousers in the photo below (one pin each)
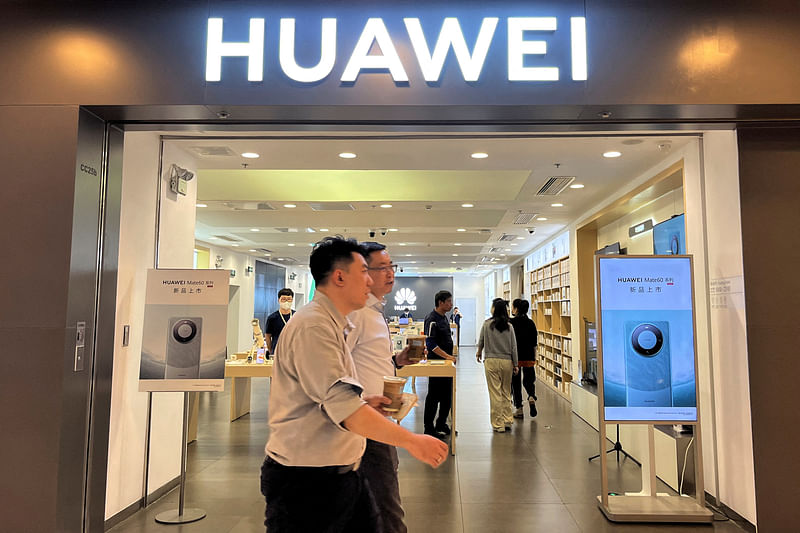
(317, 500)
(379, 466)
(440, 397)
(527, 377)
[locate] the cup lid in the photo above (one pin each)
(394, 379)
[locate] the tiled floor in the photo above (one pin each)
(536, 478)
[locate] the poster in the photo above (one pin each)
(185, 330)
(648, 339)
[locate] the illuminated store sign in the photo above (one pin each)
(522, 44)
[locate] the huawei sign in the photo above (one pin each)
(405, 295)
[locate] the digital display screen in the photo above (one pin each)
(647, 339)
(669, 237)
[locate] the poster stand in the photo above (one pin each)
(648, 505)
(182, 515)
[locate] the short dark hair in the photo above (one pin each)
(368, 247)
(286, 291)
(521, 306)
(441, 296)
(329, 254)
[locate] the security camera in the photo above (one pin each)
(383, 231)
(401, 269)
(531, 230)
(372, 234)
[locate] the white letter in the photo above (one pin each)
(518, 48)
(327, 55)
(451, 35)
(580, 70)
(253, 50)
(374, 30)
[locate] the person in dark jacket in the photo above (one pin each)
(525, 331)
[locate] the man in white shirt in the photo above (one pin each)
(371, 346)
(318, 421)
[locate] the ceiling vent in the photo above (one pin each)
(332, 206)
(287, 230)
(227, 238)
(485, 259)
(264, 250)
(555, 185)
(524, 218)
(249, 206)
(505, 237)
(495, 250)
(287, 260)
(213, 151)
(485, 230)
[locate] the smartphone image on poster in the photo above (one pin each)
(648, 368)
(183, 348)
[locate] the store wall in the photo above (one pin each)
(731, 438)
(769, 189)
(466, 286)
(129, 407)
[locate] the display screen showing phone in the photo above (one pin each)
(647, 339)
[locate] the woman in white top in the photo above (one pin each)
(497, 345)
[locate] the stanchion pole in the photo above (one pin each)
(181, 515)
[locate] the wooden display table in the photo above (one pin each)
(240, 373)
(439, 368)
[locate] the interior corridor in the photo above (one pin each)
(534, 479)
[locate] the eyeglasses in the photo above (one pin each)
(384, 269)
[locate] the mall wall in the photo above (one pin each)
(129, 407)
(709, 180)
(467, 286)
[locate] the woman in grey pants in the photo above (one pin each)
(497, 345)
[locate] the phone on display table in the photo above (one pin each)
(183, 347)
(648, 368)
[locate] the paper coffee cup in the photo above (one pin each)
(393, 389)
(416, 348)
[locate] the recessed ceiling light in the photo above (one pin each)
(324, 229)
(392, 229)
(234, 245)
(280, 259)
(456, 244)
(503, 255)
(386, 206)
(251, 155)
(289, 206)
(347, 155)
(520, 238)
(513, 244)
(612, 154)
(254, 229)
(453, 262)
(201, 205)
(479, 155)
(455, 255)
(290, 244)
(212, 238)
(542, 218)
(413, 262)
(251, 250)
(401, 243)
(461, 229)
(409, 255)
(467, 205)
(556, 205)
(576, 186)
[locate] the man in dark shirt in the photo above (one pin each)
(277, 320)
(526, 334)
(440, 346)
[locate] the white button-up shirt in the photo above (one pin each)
(371, 346)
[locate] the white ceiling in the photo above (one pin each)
(426, 179)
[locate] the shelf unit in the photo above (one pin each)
(507, 290)
(552, 312)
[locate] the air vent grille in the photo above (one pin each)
(332, 206)
(213, 151)
(495, 250)
(505, 237)
(249, 206)
(555, 185)
(524, 218)
(264, 250)
(227, 238)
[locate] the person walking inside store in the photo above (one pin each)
(371, 346)
(455, 318)
(497, 346)
(439, 343)
(318, 421)
(277, 321)
(526, 335)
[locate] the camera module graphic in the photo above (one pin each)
(183, 348)
(648, 367)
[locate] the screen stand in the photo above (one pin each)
(181, 515)
(617, 448)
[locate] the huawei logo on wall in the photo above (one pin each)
(405, 295)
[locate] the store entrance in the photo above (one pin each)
(464, 211)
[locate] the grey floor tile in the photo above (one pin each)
(518, 518)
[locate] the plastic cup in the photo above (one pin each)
(416, 348)
(393, 389)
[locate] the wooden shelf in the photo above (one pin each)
(551, 310)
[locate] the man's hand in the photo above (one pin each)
(401, 358)
(377, 402)
(428, 449)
